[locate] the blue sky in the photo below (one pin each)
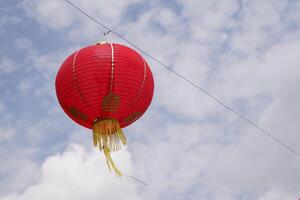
(185, 146)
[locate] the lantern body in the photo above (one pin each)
(104, 81)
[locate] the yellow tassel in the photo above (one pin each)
(110, 162)
(108, 137)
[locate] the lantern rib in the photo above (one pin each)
(112, 67)
(142, 85)
(144, 78)
(126, 85)
(75, 78)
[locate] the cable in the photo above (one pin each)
(137, 180)
(109, 30)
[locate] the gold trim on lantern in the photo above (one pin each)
(110, 102)
(77, 114)
(134, 116)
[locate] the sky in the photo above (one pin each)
(186, 146)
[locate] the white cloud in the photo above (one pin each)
(6, 133)
(7, 65)
(59, 15)
(55, 13)
(79, 174)
(45, 67)
(6, 19)
(237, 159)
(46, 64)
(24, 85)
(2, 107)
(278, 195)
(186, 145)
(17, 172)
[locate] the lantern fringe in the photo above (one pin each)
(108, 137)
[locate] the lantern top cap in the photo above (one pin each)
(102, 42)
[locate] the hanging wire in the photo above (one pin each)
(211, 96)
(136, 180)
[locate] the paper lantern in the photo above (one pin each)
(105, 87)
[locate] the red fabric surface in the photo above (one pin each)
(83, 88)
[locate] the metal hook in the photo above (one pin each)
(106, 32)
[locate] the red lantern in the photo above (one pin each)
(105, 87)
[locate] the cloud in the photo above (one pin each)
(24, 85)
(278, 195)
(237, 159)
(78, 173)
(2, 107)
(60, 16)
(6, 133)
(6, 19)
(51, 12)
(7, 65)
(186, 146)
